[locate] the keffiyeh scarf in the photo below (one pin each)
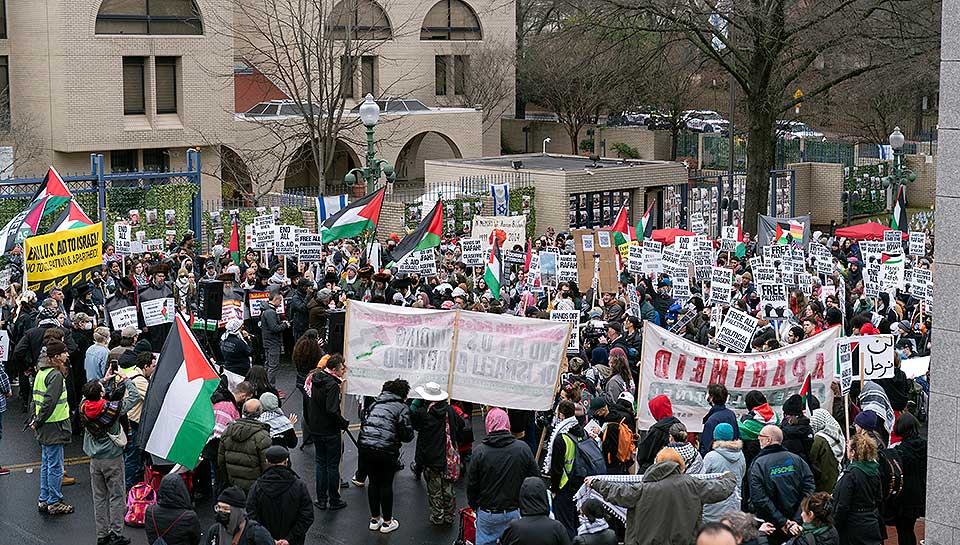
(826, 426)
(561, 427)
(618, 511)
(873, 398)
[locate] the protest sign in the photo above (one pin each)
(681, 289)
(158, 311)
(428, 263)
(569, 317)
(635, 259)
(257, 301)
(872, 355)
(410, 263)
(736, 330)
(471, 252)
(515, 228)
(586, 247)
(548, 270)
(892, 240)
(123, 317)
(248, 236)
(672, 263)
(4, 345)
(514, 257)
(64, 258)
(697, 225)
(633, 300)
(892, 271)
(806, 283)
(844, 368)
(682, 369)
(720, 294)
(284, 240)
(773, 302)
(764, 275)
(310, 248)
(264, 223)
(263, 240)
(603, 238)
(918, 243)
(685, 244)
(121, 238)
(652, 257)
(566, 268)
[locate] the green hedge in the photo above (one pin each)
(289, 215)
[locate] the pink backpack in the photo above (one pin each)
(139, 497)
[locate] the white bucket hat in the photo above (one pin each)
(431, 391)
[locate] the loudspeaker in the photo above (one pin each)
(335, 325)
(210, 300)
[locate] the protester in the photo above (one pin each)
(51, 423)
(172, 517)
(717, 398)
(535, 526)
(558, 464)
(827, 451)
(326, 428)
(95, 359)
(438, 432)
(797, 433)
(5, 393)
(778, 482)
(594, 529)
(726, 455)
(235, 348)
(715, 533)
(621, 380)
(280, 500)
(232, 526)
(498, 467)
(281, 426)
(659, 434)
(692, 461)
(385, 426)
(271, 329)
(139, 376)
(759, 414)
(670, 501)
(909, 504)
(817, 522)
(858, 495)
(243, 447)
(305, 357)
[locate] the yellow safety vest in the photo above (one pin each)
(569, 454)
(62, 411)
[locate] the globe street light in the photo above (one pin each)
(898, 174)
(370, 173)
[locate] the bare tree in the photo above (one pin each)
(486, 82)
(533, 18)
(774, 47)
(19, 131)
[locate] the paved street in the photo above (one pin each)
(21, 524)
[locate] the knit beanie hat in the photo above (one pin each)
(269, 401)
(55, 348)
(723, 432)
(233, 496)
(596, 404)
(793, 405)
(866, 420)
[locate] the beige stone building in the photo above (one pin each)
(142, 81)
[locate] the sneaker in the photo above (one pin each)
(337, 505)
(357, 483)
(344, 484)
(375, 524)
(321, 505)
(105, 540)
(4, 471)
(388, 527)
(59, 508)
(42, 507)
(68, 481)
(117, 539)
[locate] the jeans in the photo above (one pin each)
(382, 469)
(51, 473)
(490, 526)
(329, 449)
(109, 505)
(132, 458)
(272, 364)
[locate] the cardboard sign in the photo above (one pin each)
(471, 252)
(310, 248)
(121, 238)
(586, 247)
(918, 243)
(774, 304)
(892, 241)
(892, 272)
(736, 331)
(570, 317)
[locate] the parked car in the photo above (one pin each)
(791, 130)
(704, 121)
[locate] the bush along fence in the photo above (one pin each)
(865, 186)
(218, 222)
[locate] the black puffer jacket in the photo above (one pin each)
(280, 501)
(657, 438)
(534, 527)
(498, 467)
(797, 436)
(324, 414)
(236, 354)
(387, 425)
(430, 422)
(173, 515)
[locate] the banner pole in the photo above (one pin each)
(453, 353)
(846, 414)
(343, 392)
(556, 386)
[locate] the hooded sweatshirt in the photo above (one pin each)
(173, 515)
(534, 527)
(280, 501)
(725, 456)
(659, 434)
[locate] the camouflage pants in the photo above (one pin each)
(440, 491)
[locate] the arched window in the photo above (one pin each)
(149, 17)
(359, 20)
(450, 20)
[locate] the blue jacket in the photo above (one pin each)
(717, 414)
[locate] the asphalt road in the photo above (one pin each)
(21, 524)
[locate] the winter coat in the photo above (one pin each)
(253, 534)
(498, 466)
(299, 315)
(242, 451)
(27, 351)
(897, 389)
(657, 437)
(717, 414)
(725, 456)
(825, 466)
(797, 436)
(386, 426)
(856, 508)
(236, 354)
(271, 328)
(51, 433)
(430, 422)
(778, 481)
(820, 536)
(559, 449)
(616, 386)
(534, 527)
(98, 423)
(912, 499)
(606, 537)
(666, 506)
(324, 414)
(280, 501)
(173, 514)
(621, 411)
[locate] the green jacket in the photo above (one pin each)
(51, 433)
(102, 447)
(243, 451)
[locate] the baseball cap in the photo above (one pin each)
(129, 332)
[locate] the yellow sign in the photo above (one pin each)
(65, 258)
(797, 96)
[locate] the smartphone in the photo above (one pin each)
(114, 365)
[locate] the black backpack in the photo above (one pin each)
(892, 480)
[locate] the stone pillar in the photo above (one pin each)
(943, 469)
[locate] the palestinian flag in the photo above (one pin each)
(791, 232)
(891, 259)
(355, 218)
(72, 217)
(493, 271)
(49, 195)
(805, 392)
(899, 218)
(645, 227)
(235, 243)
(177, 415)
(425, 236)
(741, 248)
(621, 229)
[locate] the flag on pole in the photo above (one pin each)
(494, 270)
(805, 392)
(328, 206)
(741, 248)
(427, 235)
(235, 243)
(49, 195)
(177, 415)
(645, 227)
(793, 233)
(72, 217)
(899, 218)
(621, 228)
(501, 199)
(355, 218)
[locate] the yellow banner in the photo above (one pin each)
(65, 259)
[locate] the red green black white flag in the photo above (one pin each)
(427, 235)
(359, 216)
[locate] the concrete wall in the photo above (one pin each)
(513, 137)
(943, 465)
(922, 192)
(817, 191)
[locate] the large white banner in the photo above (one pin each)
(499, 360)
(681, 370)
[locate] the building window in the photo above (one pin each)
(359, 20)
(4, 94)
(368, 75)
(440, 68)
(450, 20)
(347, 73)
(166, 79)
(149, 17)
(590, 210)
(124, 160)
(156, 160)
(133, 96)
(461, 71)
(3, 19)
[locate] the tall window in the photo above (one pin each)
(124, 160)
(166, 79)
(461, 71)
(3, 19)
(368, 75)
(450, 20)
(359, 20)
(4, 94)
(156, 160)
(347, 73)
(440, 75)
(149, 17)
(134, 102)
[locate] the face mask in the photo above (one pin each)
(88, 325)
(222, 518)
(903, 354)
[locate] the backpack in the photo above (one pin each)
(891, 482)
(139, 497)
(160, 535)
(587, 458)
(626, 447)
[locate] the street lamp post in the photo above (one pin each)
(370, 173)
(899, 175)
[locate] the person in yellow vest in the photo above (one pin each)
(51, 422)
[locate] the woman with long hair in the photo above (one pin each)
(139, 274)
(257, 376)
(816, 511)
(306, 355)
(621, 380)
(858, 495)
